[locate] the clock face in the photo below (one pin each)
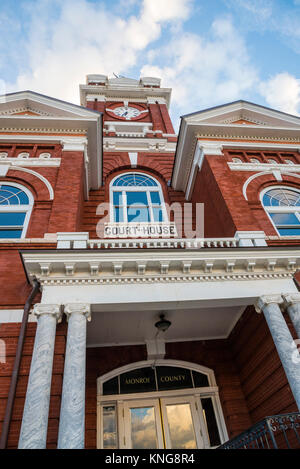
(126, 112)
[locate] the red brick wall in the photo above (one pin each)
(218, 221)
(13, 283)
(67, 204)
(262, 377)
(221, 190)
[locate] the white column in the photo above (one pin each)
(34, 427)
(292, 303)
(283, 340)
(72, 412)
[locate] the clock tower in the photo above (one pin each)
(135, 113)
(138, 140)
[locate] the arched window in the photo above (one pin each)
(283, 207)
(16, 204)
(137, 198)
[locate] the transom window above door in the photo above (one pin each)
(137, 198)
(283, 207)
(16, 204)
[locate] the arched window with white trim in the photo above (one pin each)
(137, 198)
(16, 204)
(283, 207)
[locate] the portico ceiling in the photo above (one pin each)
(109, 328)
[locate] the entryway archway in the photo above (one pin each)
(163, 404)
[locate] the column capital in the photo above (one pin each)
(266, 300)
(78, 308)
(40, 309)
(291, 298)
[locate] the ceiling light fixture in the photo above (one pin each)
(163, 324)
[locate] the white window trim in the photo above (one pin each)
(19, 208)
(146, 189)
(281, 209)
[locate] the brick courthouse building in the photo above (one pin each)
(141, 332)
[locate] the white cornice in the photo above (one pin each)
(98, 267)
(138, 144)
(28, 162)
(133, 92)
(291, 168)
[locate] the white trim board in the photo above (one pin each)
(14, 316)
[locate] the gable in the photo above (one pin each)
(31, 104)
(243, 113)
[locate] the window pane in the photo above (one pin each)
(10, 234)
(111, 387)
(289, 231)
(138, 214)
(155, 198)
(281, 197)
(211, 422)
(285, 219)
(181, 426)
(117, 198)
(143, 428)
(139, 198)
(158, 214)
(12, 219)
(134, 179)
(200, 379)
(110, 428)
(10, 195)
(118, 211)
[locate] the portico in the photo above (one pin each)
(203, 292)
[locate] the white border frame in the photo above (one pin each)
(211, 391)
(136, 189)
(280, 209)
(19, 208)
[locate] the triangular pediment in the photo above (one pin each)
(243, 113)
(28, 104)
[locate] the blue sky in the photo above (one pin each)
(209, 52)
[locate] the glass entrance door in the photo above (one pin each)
(171, 423)
(181, 423)
(143, 428)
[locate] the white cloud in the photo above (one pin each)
(282, 92)
(79, 37)
(85, 38)
(261, 9)
(204, 71)
(166, 10)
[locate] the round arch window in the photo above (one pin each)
(283, 207)
(16, 203)
(137, 198)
